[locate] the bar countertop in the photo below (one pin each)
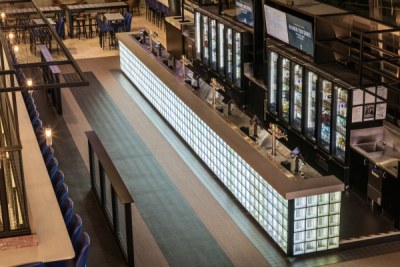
(265, 164)
(45, 216)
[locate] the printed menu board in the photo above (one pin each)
(380, 112)
(292, 30)
(369, 112)
(356, 114)
(358, 97)
(275, 21)
(244, 11)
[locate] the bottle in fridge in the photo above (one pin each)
(310, 105)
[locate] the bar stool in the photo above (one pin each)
(88, 24)
(81, 26)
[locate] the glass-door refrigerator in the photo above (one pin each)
(272, 82)
(229, 54)
(238, 60)
(340, 122)
(197, 22)
(213, 45)
(221, 49)
(297, 102)
(284, 90)
(205, 39)
(325, 118)
(310, 105)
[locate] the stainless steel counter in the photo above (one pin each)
(228, 128)
(380, 145)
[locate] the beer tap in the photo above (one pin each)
(215, 86)
(152, 35)
(277, 133)
(185, 62)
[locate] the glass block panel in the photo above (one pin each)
(312, 201)
(300, 202)
(108, 201)
(311, 212)
(122, 238)
(311, 223)
(311, 235)
(311, 246)
(333, 231)
(299, 214)
(262, 201)
(96, 173)
(299, 225)
(334, 208)
(322, 244)
(323, 199)
(335, 197)
(334, 219)
(322, 221)
(322, 233)
(323, 210)
(298, 237)
(333, 242)
(298, 249)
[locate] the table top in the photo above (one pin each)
(41, 22)
(113, 16)
(45, 217)
(97, 6)
(164, 2)
(33, 10)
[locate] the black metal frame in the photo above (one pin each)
(13, 65)
(118, 192)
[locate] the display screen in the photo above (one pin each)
(244, 11)
(289, 29)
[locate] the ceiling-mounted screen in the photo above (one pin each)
(289, 29)
(244, 11)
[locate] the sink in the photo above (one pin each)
(391, 166)
(370, 147)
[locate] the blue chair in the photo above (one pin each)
(28, 99)
(48, 155)
(38, 125)
(60, 27)
(58, 179)
(52, 167)
(126, 25)
(31, 107)
(106, 32)
(61, 192)
(34, 117)
(67, 210)
(75, 228)
(128, 22)
(81, 247)
(34, 264)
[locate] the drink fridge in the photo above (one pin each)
(220, 47)
(309, 102)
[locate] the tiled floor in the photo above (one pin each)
(70, 146)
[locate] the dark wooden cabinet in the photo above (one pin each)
(358, 178)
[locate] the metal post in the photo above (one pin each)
(129, 234)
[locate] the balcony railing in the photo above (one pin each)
(115, 200)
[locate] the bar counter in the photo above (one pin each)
(301, 215)
(45, 217)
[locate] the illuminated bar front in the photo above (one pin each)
(300, 216)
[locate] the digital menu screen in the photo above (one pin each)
(289, 29)
(244, 11)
